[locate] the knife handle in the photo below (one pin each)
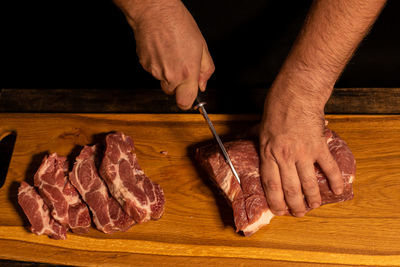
(199, 101)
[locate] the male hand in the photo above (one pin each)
(170, 46)
(292, 129)
(291, 141)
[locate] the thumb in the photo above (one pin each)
(186, 93)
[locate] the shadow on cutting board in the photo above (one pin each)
(225, 210)
(34, 164)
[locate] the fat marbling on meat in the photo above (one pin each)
(248, 200)
(140, 197)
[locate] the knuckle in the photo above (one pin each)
(309, 183)
(283, 153)
(313, 196)
(153, 70)
(186, 71)
(167, 87)
(211, 69)
(170, 77)
(273, 185)
(276, 205)
(291, 191)
(267, 152)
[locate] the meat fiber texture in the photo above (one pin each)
(108, 215)
(38, 213)
(60, 196)
(140, 197)
(250, 208)
(59, 207)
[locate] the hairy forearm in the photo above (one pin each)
(137, 10)
(330, 35)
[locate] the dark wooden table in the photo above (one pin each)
(246, 101)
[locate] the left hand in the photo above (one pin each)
(291, 141)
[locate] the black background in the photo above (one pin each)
(88, 44)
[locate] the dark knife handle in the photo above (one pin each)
(199, 101)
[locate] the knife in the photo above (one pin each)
(200, 106)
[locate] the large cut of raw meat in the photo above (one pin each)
(38, 213)
(107, 213)
(60, 196)
(140, 197)
(248, 201)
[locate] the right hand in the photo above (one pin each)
(171, 47)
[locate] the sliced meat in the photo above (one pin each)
(38, 213)
(248, 201)
(138, 195)
(107, 213)
(60, 196)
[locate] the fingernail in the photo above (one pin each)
(315, 205)
(278, 212)
(299, 214)
(338, 190)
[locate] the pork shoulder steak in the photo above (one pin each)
(140, 197)
(60, 196)
(108, 215)
(38, 213)
(248, 201)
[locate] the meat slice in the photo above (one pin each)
(138, 195)
(38, 213)
(107, 213)
(248, 201)
(60, 196)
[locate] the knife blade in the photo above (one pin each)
(199, 105)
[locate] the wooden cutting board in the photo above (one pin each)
(197, 227)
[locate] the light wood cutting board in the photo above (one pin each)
(197, 227)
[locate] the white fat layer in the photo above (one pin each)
(26, 189)
(102, 190)
(351, 179)
(226, 184)
(121, 193)
(44, 214)
(72, 200)
(264, 219)
(255, 173)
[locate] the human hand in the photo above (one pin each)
(170, 46)
(291, 141)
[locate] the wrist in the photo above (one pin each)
(137, 11)
(299, 90)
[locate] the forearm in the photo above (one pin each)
(330, 35)
(136, 10)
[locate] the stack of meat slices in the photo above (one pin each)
(122, 196)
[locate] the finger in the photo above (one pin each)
(309, 183)
(272, 186)
(168, 88)
(331, 170)
(186, 93)
(292, 188)
(207, 68)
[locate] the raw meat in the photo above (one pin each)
(248, 201)
(38, 213)
(141, 198)
(60, 196)
(107, 213)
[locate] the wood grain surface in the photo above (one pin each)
(197, 227)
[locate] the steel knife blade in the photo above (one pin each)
(199, 105)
